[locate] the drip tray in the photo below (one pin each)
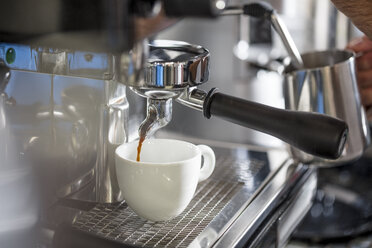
(120, 223)
(244, 189)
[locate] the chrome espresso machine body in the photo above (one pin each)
(74, 75)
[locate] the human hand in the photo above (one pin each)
(363, 48)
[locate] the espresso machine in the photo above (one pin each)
(80, 78)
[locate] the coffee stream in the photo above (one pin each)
(139, 147)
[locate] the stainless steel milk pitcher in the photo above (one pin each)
(328, 85)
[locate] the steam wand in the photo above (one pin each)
(265, 11)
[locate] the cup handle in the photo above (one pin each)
(209, 162)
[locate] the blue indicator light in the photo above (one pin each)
(159, 76)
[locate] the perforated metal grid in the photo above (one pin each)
(118, 222)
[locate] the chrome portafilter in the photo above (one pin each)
(172, 68)
(175, 69)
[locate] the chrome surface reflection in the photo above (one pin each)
(66, 114)
(19, 207)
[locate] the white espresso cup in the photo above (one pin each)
(162, 184)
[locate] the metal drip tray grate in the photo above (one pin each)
(118, 222)
(233, 180)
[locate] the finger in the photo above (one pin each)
(361, 44)
(364, 62)
(366, 96)
(364, 79)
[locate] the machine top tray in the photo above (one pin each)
(239, 176)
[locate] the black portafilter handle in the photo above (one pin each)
(313, 133)
(193, 8)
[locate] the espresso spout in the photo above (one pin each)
(159, 114)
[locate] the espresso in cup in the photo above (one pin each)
(162, 184)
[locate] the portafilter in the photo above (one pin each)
(174, 69)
